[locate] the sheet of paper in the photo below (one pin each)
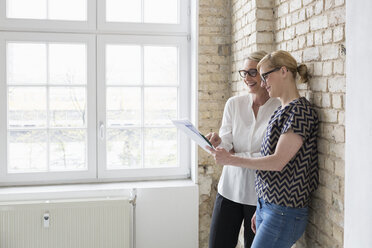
(189, 129)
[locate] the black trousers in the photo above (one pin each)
(227, 219)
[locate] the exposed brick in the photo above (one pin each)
(319, 22)
(279, 36)
(295, 5)
(338, 233)
(329, 52)
(306, 2)
(318, 69)
(338, 34)
(309, 11)
(326, 100)
(328, 4)
(310, 39)
(327, 68)
(328, 115)
(337, 150)
(318, 84)
(327, 36)
(264, 4)
(340, 168)
(264, 14)
(318, 7)
(302, 28)
(336, 17)
(289, 33)
(311, 54)
(339, 2)
(337, 84)
(318, 40)
(283, 9)
(337, 101)
(301, 42)
(338, 67)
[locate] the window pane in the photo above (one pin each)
(28, 9)
(123, 64)
(67, 63)
(67, 107)
(161, 11)
(123, 106)
(161, 65)
(27, 107)
(26, 63)
(68, 150)
(73, 10)
(160, 105)
(160, 147)
(123, 148)
(27, 151)
(123, 11)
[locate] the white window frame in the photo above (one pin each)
(182, 28)
(49, 25)
(183, 171)
(90, 173)
(97, 32)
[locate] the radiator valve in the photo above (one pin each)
(46, 219)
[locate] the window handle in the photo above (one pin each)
(101, 130)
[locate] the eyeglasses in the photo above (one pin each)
(266, 74)
(250, 72)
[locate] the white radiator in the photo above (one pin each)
(83, 223)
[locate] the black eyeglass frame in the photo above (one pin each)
(251, 72)
(265, 74)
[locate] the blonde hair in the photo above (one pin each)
(282, 58)
(256, 56)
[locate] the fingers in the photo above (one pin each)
(208, 136)
(214, 139)
(211, 150)
(253, 223)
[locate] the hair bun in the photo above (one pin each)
(302, 71)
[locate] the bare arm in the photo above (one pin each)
(288, 145)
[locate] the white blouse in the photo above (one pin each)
(243, 132)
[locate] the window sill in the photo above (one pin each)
(74, 191)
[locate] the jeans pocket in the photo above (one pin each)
(299, 227)
(277, 209)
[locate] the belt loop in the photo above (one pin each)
(259, 202)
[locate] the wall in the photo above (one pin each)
(358, 183)
(314, 32)
(214, 90)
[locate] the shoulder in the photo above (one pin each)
(304, 108)
(273, 103)
(236, 100)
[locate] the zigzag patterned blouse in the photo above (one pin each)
(292, 186)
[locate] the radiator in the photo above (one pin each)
(82, 223)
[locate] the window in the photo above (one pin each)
(89, 97)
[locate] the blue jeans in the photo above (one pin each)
(278, 226)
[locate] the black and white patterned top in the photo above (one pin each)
(292, 186)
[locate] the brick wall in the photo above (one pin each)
(314, 32)
(214, 90)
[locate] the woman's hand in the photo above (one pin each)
(221, 156)
(214, 139)
(253, 223)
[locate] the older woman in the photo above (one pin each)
(243, 125)
(288, 171)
